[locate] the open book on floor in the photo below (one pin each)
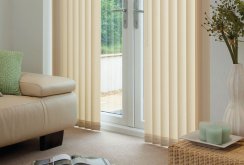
(64, 159)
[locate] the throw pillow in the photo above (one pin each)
(10, 72)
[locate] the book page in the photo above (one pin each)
(64, 159)
(60, 157)
(89, 161)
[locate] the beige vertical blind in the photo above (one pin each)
(76, 53)
(170, 69)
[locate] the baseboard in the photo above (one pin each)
(122, 129)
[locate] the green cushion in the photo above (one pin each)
(10, 72)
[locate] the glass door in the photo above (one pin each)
(121, 73)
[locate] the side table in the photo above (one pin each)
(188, 153)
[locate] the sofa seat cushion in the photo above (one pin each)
(23, 118)
(38, 85)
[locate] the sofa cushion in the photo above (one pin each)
(23, 117)
(38, 85)
(10, 71)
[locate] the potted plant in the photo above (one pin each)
(226, 24)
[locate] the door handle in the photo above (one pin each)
(119, 10)
(137, 11)
(124, 10)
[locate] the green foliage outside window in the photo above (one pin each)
(111, 27)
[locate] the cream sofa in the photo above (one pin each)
(46, 107)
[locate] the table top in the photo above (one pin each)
(185, 151)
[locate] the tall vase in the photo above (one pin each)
(234, 113)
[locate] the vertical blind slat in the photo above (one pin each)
(65, 38)
(173, 68)
(156, 72)
(169, 69)
(82, 64)
(165, 69)
(182, 116)
(191, 44)
(76, 48)
(78, 54)
(148, 71)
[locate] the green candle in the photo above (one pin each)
(226, 131)
(225, 134)
(214, 135)
(202, 127)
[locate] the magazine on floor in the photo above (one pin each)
(64, 159)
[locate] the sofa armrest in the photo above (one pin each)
(38, 85)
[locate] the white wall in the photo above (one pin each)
(27, 30)
(5, 24)
(23, 28)
(220, 67)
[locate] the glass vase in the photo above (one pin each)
(234, 113)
